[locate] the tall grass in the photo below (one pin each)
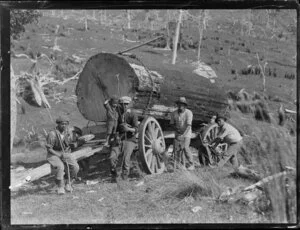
(270, 148)
(278, 150)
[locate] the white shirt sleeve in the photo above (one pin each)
(189, 119)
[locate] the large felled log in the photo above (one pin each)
(19, 179)
(156, 88)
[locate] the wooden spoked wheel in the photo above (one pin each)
(151, 145)
(208, 135)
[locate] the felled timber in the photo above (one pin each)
(156, 88)
(20, 179)
(267, 179)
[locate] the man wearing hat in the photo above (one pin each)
(230, 135)
(127, 128)
(59, 144)
(181, 119)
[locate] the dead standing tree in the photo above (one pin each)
(170, 23)
(262, 68)
(128, 19)
(246, 22)
(168, 31)
(86, 20)
(176, 38)
(202, 21)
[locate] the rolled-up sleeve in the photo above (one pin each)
(50, 141)
(189, 119)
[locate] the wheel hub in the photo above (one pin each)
(157, 147)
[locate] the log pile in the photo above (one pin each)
(154, 87)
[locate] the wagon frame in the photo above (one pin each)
(151, 144)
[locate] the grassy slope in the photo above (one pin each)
(132, 204)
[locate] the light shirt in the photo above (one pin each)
(182, 121)
(62, 136)
(230, 134)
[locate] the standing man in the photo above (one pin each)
(181, 120)
(59, 153)
(128, 128)
(230, 135)
(112, 118)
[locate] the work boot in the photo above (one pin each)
(61, 191)
(68, 186)
(114, 176)
(61, 185)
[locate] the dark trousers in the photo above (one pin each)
(126, 150)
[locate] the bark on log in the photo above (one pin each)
(107, 74)
(268, 179)
(19, 179)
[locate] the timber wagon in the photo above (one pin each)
(154, 90)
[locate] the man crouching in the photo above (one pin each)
(59, 144)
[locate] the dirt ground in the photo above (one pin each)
(139, 200)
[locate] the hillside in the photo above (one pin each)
(230, 45)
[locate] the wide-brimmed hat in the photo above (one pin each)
(62, 118)
(221, 116)
(125, 100)
(114, 100)
(181, 100)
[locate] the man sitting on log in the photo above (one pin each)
(181, 119)
(127, 127)
(59, 144)
(230, 135)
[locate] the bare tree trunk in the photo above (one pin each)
(151, 25)
(176, 38)
(199, 43)
(104, 17)
(168, 31)
(101, 20)
(86, 21)
(201, 26)
(128, 19)
(146, 18)
(262, 69)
